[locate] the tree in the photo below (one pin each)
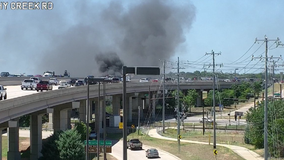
(49, 148)
(254, 131)
(70, 145)
(257, 88)
(190, 99)
(172, 102)
(82, 129)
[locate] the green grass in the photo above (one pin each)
(4, 146)
(188, 151)
(193, 126)
(233, 137)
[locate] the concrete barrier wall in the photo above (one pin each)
(16, 107)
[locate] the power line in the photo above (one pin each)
(244, 53)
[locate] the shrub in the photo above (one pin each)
(70, 146)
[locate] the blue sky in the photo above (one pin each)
(230, 27)
(68, 36)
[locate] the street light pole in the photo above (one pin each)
(104, 117)
(124, 114)
(139, 119)
(87, 117)
(98, 122)
(235, 84)
(164, 96)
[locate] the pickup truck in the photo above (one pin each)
(43, 85)
(134, 144)
(3, 93)
(28, 84)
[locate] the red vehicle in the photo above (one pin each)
(43, 85)
(155, 80)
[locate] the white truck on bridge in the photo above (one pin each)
(28, 84)
(3, 93)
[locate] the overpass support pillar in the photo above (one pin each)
(140, 103)
(35, 136)
(98, 122)
(127, 102)
(116, 104)
(199, 101)
(61, 117)
(13, 140)
(134, 108)
(82, 111)
(65, 119)
(50, 121)
(153, 106)
(130, 108)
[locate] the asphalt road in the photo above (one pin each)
(138, 154)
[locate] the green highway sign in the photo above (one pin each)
(95, 142)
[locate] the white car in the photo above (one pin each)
(53, 81)
(63, 84)
(227, 80)
(206, 120)
(152, 153)
(144, 80)
(36, 79)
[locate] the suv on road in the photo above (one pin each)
(3, 92)
(79, 83)
(134, 144)
(43, 85)
(28, 84)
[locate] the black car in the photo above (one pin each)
(72, 81)
(92, 135)
(115, 80)
(90, 80)
(79, 83)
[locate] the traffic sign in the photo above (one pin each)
(121, 112)
(215, 152)
(120, 126)
(93, 149)
(95, 142)
(132, 126)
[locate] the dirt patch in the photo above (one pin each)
(24, 144)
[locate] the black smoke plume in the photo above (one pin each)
(68, 37)
(109, 63)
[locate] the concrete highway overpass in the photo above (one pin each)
(59, 104)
